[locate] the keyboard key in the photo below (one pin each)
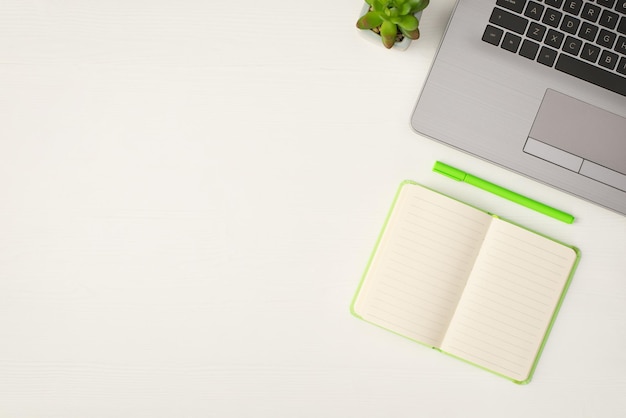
(493, 35)
(570, 24)
(534, 10)
(592, 73)
(511, 42)
(588, 31)
(606, 38)
(515, 5)
(508, 20)
(621, 7)
(590, 12)
(529, 49)
(536, 31)
(552, 17)
(621, 67)
(573, 6)
(554, 39)
(590, 52)
(606, 3)
(620, 46)
(572, 45)
(608, 19)
(621, 28)
(608, 60)
(547, 56)
(554, 3)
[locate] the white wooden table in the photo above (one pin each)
(189, 192)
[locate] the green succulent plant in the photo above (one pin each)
(391, 16)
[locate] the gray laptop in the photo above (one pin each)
(536, 86)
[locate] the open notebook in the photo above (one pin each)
(466, 282)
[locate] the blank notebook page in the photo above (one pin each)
(509, 300)
(421, 264)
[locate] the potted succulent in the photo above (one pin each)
(395, 22)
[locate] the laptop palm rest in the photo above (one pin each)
(580, 137)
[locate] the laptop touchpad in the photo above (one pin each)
(580, 137)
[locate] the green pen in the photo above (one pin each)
(461, 175)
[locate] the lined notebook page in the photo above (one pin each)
(509, 300)
(421, 264)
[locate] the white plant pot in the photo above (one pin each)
(375, 38)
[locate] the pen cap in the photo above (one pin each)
(449, 171)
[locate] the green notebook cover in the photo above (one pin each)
(465, 282)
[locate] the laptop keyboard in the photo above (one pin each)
(585, 39)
